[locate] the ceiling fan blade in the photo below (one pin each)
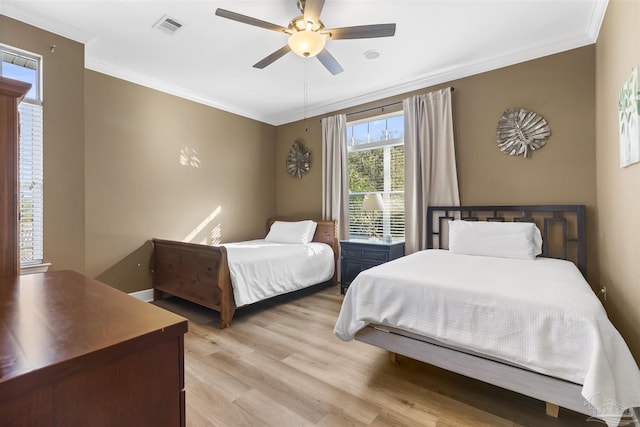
(361, 32)
(273, 57)
(312, 10)
(249, 20)
(329, 62)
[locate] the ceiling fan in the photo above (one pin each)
(307, 35)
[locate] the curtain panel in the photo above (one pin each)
(335, 178)
(430, 164)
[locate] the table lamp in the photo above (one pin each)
(374, 203)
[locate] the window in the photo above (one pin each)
(375, 163)
(23, 66)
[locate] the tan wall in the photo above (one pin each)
(135, 186)
(560, 87)
(138, 187)
(618, 190)
(63, 100)
(299, 197)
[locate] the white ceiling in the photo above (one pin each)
(209, 60)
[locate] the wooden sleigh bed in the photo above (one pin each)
(200, 273)
(563, 229)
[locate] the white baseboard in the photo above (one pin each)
(145, 295)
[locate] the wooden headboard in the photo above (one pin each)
(563, 227)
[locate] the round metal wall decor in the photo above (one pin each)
(520, 131)
(298, 162)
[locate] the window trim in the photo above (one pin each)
(386, 192)
(36, 264)
(373, 145)
(38, 100)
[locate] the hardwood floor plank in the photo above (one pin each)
(270, 412)
(279, 364)
(394, 420)
(307, 390)
(213, 407)
(383, 388)
(204, 368)
(333, 420)
(270, 382)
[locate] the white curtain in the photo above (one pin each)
(335, 179)
(430, 162)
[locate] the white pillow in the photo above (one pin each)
(498, 239)
(292, 232)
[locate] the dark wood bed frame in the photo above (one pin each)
(563, 229)
(200, 273)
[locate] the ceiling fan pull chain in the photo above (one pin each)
(306, 96)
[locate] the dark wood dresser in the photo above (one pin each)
(76, 352)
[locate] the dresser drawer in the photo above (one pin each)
(381, 256)
(352, 253)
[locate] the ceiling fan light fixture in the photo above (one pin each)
(307, 43)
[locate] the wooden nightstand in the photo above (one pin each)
(360, 254)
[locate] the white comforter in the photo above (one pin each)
(540, 314)
(261, 269)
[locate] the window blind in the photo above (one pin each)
(30, 181)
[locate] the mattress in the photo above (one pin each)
(261, 269)
(539, 314)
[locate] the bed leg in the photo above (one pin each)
(393, 357)
(225, 320)
(226, 314)
(552, 410)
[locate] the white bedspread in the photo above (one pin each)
(261, 269)
(540, 314)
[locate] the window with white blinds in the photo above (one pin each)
(19, 65)
(376, 167)
(30, 181)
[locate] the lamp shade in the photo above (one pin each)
(307, 43)
(373, 202)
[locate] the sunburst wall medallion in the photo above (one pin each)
(298, 160)
(521, 131)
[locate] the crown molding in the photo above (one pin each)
(372, 95)
(153, 83)
(12, 10)
(432, 79)
(597, 17)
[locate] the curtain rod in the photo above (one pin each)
(383, 106)
(374, 108)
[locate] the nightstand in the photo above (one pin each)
(360, 254)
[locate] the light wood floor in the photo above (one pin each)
(280, 365)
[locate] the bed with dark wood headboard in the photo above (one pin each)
(563, 229)
(200, 273)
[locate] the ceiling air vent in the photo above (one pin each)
(167, 24)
